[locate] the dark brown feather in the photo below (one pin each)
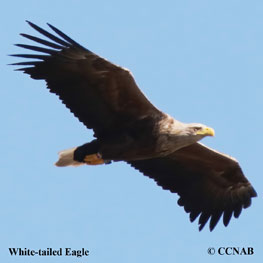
(209, 183)
(100, 94)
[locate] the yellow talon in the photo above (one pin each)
(93, 159)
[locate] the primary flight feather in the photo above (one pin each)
(127, 127)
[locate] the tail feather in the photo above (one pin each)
(66, 158)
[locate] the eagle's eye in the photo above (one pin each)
(197, 129)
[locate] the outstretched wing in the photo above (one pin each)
(210, 184)
(100, 94)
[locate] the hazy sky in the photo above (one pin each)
(200, 61)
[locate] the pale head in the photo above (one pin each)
(198, 130)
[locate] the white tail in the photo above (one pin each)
(66, 158)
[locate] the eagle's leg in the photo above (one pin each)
(93, 159)
(89, 153)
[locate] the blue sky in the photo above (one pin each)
(200, 61)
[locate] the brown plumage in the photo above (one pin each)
(127, 127)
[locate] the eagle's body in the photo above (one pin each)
(129, 128)
(150, 137)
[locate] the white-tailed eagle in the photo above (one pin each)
(127, 127)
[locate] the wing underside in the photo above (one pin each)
(210, 184)
(100, 94)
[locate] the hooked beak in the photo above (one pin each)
(207, 131)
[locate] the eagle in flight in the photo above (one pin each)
(128, 127)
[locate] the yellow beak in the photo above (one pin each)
(207, 131)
